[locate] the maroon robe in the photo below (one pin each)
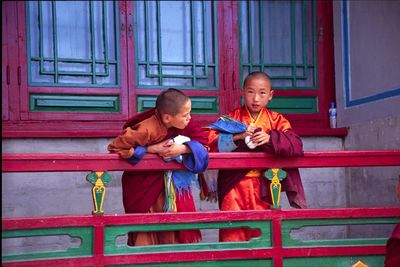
(285, 144)
(392, 257)
(141, 189)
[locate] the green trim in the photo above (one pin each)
(298, 105)
(74, 103)
(289, 225)
(370, 261)
(293, 105)
(219, 263)
(85, 234)
(200, 105)
(112, 232)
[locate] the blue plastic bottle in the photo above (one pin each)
(332, 116)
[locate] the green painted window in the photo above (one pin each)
(104, 61)
(278, 37)
(72, 43)
(176, 44)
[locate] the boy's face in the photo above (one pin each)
(257, 92)
(181, 119)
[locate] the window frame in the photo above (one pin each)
(26, 89)
(326, 84)
(19, 122)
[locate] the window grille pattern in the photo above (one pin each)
(176, 44)
(73, 43)
(279, 38)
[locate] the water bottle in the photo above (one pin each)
(332, 115)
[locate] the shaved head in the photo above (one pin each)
(256, 75)
(170, 101)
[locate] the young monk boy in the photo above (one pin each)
(267, 131)
(392, 257)
(152, 132)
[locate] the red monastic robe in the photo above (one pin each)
(244, 189)
(392, 257)
(144, 191)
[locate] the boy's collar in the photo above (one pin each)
(254, 121)
(159, 118)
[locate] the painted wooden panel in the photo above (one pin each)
(74, 103)
(298, 105)
(85, 234)
(200, 105)
(334, 261)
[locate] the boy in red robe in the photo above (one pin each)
(267, 131)
(152, 131)
(392, 257)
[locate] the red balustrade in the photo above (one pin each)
(275, 247)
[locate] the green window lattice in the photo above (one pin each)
(73, 43)
(176, 44)
(278, 37)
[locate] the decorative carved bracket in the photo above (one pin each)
(99, 180)
(275, 175)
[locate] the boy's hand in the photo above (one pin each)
(171, 150)
(250, 129)
(241, 136)
(158, 148)
(260, 138)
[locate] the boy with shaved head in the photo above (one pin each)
(154, 131)
(260, 130)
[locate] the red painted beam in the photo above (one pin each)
(111, 162)
(197, 256)
(238, 254)
(276, 253)
(197, 217)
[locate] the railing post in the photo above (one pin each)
(275, 175)
(99, 180)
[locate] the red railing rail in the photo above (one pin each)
(52, 162)
(277, 253)
(279, 220)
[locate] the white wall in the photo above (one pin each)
(39, 194)
(367, 75)
(367, 60)
(68, 193)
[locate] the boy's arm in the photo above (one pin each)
(170, 150)
(222, 142)
(124, 144)
(284, 143)
(283, 140)
(225, 142)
